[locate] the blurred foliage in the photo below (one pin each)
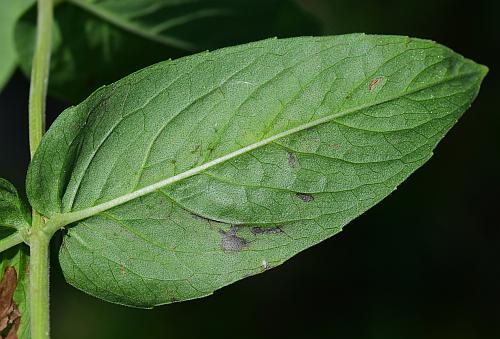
(89, 51)
(9, 13)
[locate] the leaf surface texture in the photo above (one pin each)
(191, 174)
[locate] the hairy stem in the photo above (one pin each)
(39, 280)
(39, 240)
(40, 73)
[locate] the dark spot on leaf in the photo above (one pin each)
(195, 148)
(10, 318)
(122, 269)
(305, 197)
(266, 230)
(231, 242)
(291, 159)
(374, 83)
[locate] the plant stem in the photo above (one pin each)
(39, 280)
(39, 240)
(40, 73)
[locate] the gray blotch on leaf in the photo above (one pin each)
(231, 242)
(291, 159)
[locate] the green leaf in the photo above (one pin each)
(10, 11)
(14, 212)
(14, 268)
(125, 36)
(191, 174)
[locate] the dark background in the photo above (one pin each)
(425, 263)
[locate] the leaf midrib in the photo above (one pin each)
(131, 27)
(59, 220)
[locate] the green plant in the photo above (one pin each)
(191, 174)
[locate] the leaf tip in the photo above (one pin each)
(484, 70)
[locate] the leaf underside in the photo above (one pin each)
(227, 163)
(127, 35)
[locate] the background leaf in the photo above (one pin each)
(97, 42)
(314, 132)
(18, 258)
(14, 212)
(10, 11)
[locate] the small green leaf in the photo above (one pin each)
(126, 35)
(192, 174)
(14, 212)
(10, 11)
(14, 274)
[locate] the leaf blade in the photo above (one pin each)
(291, 138)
